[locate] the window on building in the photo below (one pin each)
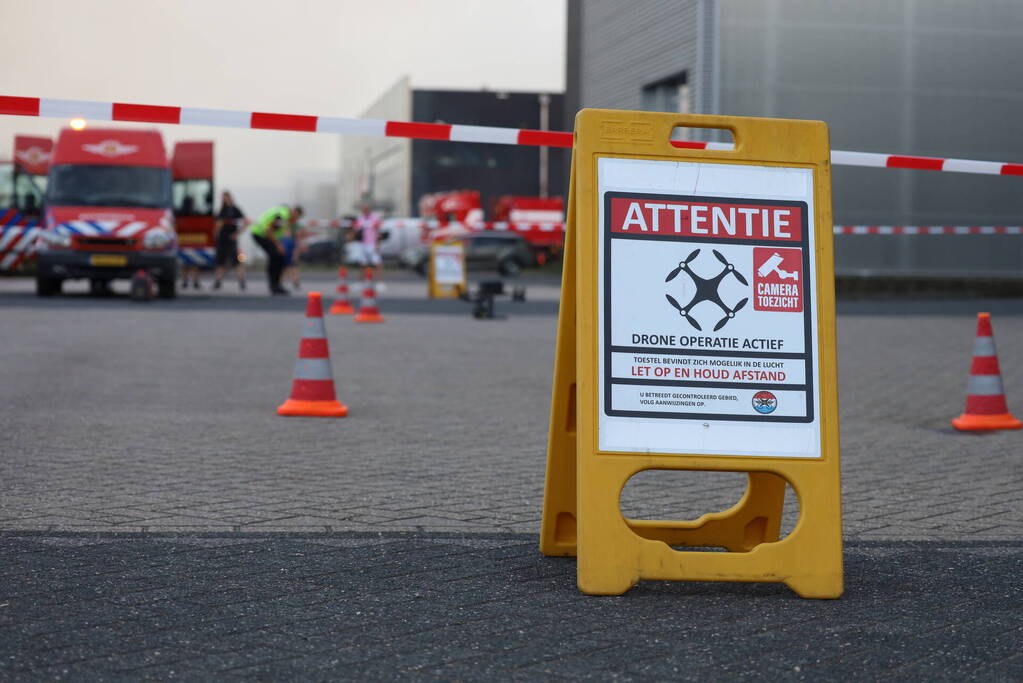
(668, 95)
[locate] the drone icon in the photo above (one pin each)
(706, 290)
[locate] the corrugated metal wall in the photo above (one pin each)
(626, 45)
(929, 77)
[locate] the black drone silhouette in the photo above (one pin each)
(706, 290)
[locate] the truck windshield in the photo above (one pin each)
(102, 185)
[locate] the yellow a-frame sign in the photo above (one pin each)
(696, 332)
(446, 278)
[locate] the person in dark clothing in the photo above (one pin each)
(228, 222)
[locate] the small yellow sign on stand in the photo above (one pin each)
(447, 278)
(696, 332)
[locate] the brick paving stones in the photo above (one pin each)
(157, 519)
(160, 417)
(483, 607)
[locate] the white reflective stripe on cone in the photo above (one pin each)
(312, 368)
(984, 346)
(985, 385)
(313, 328)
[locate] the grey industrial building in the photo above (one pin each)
(939, 78)
(392, 174)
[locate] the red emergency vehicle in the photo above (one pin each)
(107, 211)
(22, 182)
(461, 206)
(539, 220)
(31, 165)
(512, 209)
(192, 170)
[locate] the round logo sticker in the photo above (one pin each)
(764, 402)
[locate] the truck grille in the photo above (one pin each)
(105, 242)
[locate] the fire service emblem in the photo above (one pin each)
(110, 148)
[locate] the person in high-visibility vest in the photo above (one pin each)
(267, 232)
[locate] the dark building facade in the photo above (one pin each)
(493, 170)
(392, 174)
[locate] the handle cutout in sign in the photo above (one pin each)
(678, 506)
(683, 136)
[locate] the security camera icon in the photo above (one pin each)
(771, 266)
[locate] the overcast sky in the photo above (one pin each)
(330, 57)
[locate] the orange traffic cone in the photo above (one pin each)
(985, 398)
(368, 311)
(312, 386)
(343, 303)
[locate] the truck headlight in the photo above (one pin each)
(53, 238)
(157, 238)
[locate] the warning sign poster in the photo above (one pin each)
(448, 264)
(707, 318)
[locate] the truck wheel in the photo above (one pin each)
(509, 267)
(48, 286)
(167, 289)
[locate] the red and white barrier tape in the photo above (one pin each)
(838, 229)
(928, 230)
(320, 223)
(148, 113)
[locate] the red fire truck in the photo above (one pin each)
(512, 209)
(22, 182)
(192, 169)
(107, 211)
(31, 166)
(539, 220)
(460, 206)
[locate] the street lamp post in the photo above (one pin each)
(545, 116)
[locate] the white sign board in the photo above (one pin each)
(448, 264)
(708, 324)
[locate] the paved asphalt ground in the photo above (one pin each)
(158, 520)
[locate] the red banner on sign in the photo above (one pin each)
(697, 218)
